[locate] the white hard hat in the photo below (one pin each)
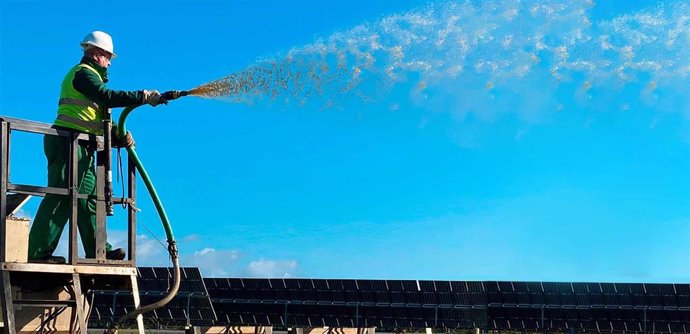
(100, 40)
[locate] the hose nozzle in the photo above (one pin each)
(174, 94)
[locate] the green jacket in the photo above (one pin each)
(84, 99)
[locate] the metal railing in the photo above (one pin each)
(9, 125)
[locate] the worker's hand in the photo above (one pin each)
(128, 141)
(154, 98)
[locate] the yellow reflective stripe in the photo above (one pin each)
(93, 126)
(79, 102)
(93, 70)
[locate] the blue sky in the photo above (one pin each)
(502, 141)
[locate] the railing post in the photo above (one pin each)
(100, 207)
(73, 187)
(107, 155)
(4, 175)
(131, 211)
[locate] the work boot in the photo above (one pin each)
(115, 254)
(49, 259)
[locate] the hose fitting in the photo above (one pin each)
(174, 94)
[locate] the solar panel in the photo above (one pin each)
(292, 284)
(442, 286)
(367, 297)
(494, 298)
(458, 286)
(682, 289)
(382, 297)
(622, 288)
(580, 288)
(379, 285)
(633, 326)
(305, 283)
(523, 298)
(676, 327)
(608, 287)
(538, 298)
(551, 287)
(412, 298)
(506, 286)
(534, 287)
(277, 283)
(520, 287)
(553, 299)
(653, 289)
(397, 297)
(612, 300)
(349, 284)
(626, 300)
(427, 286)
(395, 285)
(568, 299)
(492, 287)
(475, 286)
(320, 284)
(351, 296)
(655, 300)
(429, 298)
(594, 288)
(366, 285)
(461, 299)
(444, 298)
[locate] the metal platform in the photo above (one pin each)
(38, 295)
(70, 269)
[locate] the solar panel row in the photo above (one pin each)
(390, 304)
(338, 315)
(552, 294)
(306, 284)
(380, 298)
(594, 299)
(510, 305)
(576, 287)
(449, 286)
(590, 326)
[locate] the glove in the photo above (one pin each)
(153, 98)
(128, 141)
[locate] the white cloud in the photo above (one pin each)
(271, 268)
(191, 238)
(212, 262)
(151, 253)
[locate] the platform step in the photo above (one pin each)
(44, 303)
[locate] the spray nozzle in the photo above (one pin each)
(174, 94)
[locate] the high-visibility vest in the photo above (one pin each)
(75, 110)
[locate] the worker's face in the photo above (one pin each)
(103, 58)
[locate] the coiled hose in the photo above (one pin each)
(172, 245)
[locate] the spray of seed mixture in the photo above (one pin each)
(479, 55)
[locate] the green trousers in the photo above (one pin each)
(55, 210)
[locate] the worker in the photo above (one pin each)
(83, 100)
